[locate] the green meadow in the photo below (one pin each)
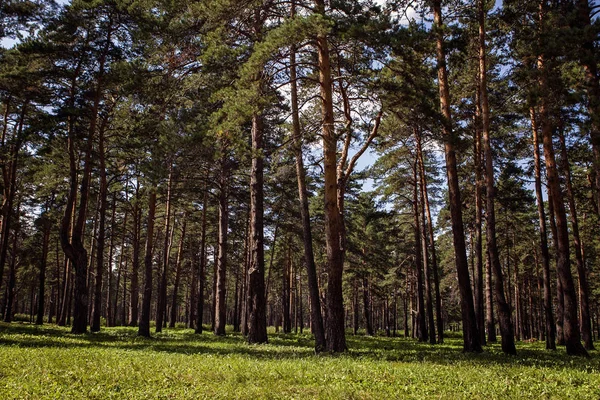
(50, 363)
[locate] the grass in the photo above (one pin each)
(50, 363)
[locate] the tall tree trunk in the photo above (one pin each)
(548, 313)
(100, 242)
(46, 227)
(257, 321)
(584, 296)
(161, 308)
(589, 59)
(110, 311)
(504, 317)
(425, 246)
(470, 331)
(135, 265)
(202, 267)
(144, 324)
(335, 329)
(285, 290)
(316, 316)
(12, 276)
(433, 252)
(175, 299)
(9, 175)
(422, 333)
(563, 267)
(221, 284)
(477, 155)
(367, 307)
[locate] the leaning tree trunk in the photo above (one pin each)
(471, 341)
(144, 324)
(548, 313)
(504, 314)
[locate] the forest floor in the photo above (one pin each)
(50, 363)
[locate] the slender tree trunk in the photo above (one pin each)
(367, 307)
(257, 321)
(135, 265)
(110, 311)
(202, 267)
(589, 59)
(285, 293)
(161, 308)
(100, 242)
(477, 155)
(144, 324)
(175, 299)
(433, 252)
(504, 317)
(335, 329)
(548, 313)
(12, 276)
(584, 297)
(46, 226)
(563, 267)
(422, 333)
(317, 325)
(221, 285)
(470, 331)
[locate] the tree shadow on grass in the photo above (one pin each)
(292, 346)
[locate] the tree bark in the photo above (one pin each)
(161, 308)
(46, 227)
(570, 322)
(422, 333)
(220, 305)
(311, 270)
(135, 265)
(175, 299)
(257, 320)
(550, 328)
(584, 295)
(504, 314)
(433, 252)
(202, 267)
(144, 324)
(471, 342)
(335, 328)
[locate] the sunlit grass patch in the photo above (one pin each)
(50, 363)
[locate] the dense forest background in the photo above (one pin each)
(400, 167)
